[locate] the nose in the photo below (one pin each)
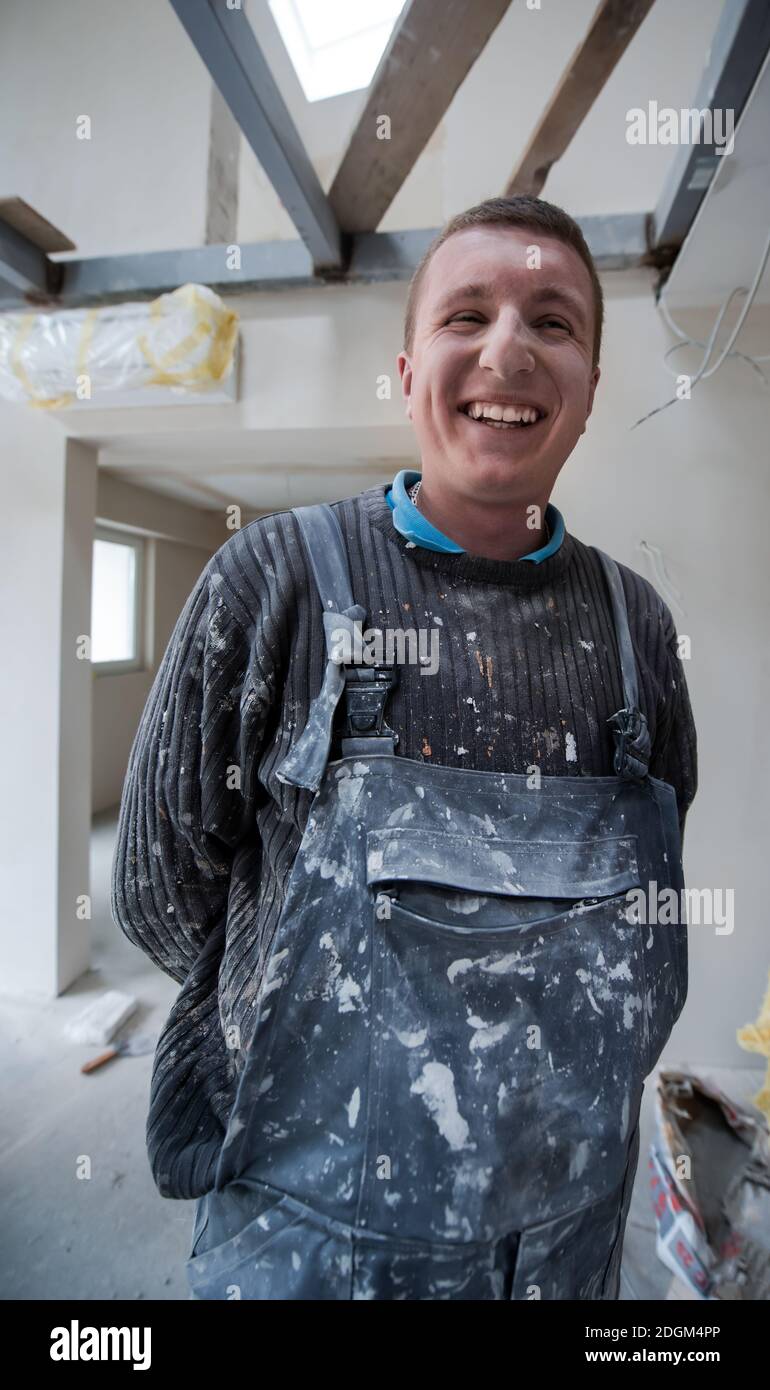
(506, 348)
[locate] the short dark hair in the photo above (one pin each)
(521, 210)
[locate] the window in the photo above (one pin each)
(335, 45)
(116, 601)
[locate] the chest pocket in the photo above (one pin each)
(465, 884)
(512, 1038)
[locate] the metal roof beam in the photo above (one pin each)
(617, 242)
(228, 46)
(736, 56)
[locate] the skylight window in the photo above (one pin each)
(335, 45)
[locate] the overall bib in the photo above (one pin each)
(441, 1096)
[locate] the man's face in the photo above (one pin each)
(523, 337)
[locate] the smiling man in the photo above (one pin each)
(499, 370)
(416, 1013)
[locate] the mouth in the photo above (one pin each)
(494, 416)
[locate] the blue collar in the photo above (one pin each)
(416, 528)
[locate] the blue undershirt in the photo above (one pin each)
(415, 527)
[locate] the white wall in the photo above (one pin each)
(46, 520)
(139, 183)
(694, 482)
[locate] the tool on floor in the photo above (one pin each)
(137, 1046)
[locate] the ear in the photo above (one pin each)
(405, 372)
(591, 392)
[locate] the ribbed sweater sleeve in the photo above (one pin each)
(185, 807)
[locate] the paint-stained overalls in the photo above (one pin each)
(441, 1097)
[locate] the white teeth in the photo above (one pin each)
(509, 414)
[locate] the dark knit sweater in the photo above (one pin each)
(528, 674)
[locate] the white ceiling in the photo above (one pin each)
(260, 470)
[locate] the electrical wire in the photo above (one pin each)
(702, 374)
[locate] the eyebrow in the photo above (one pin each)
(544, 294)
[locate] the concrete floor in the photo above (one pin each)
(112, 1236)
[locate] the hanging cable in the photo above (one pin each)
(702, 374)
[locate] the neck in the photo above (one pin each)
(485, 528)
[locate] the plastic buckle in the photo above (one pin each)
(366, 692)
(632, 744)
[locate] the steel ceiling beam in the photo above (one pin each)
(736, 56)
(228, 46)
(616, 243)
(22, 264)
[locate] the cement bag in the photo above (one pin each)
(185, 340)
(710, 1182)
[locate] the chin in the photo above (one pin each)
(496, 473)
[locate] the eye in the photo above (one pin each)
(470, 318)
(559, 324)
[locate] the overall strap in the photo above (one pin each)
(629, 725)
(328, 557)
(366, 688)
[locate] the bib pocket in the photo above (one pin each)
(468, 886)
(509, 991)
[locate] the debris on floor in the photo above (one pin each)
(101, 1019)
(710, 1180)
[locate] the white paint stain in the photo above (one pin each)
(579, 1159)
(436, 1085)
(353, 1107)
(348, 995)
(486, 1034)
(464, 906)
(349, 792)
(630, 1004)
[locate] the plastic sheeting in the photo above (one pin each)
(184, 340)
